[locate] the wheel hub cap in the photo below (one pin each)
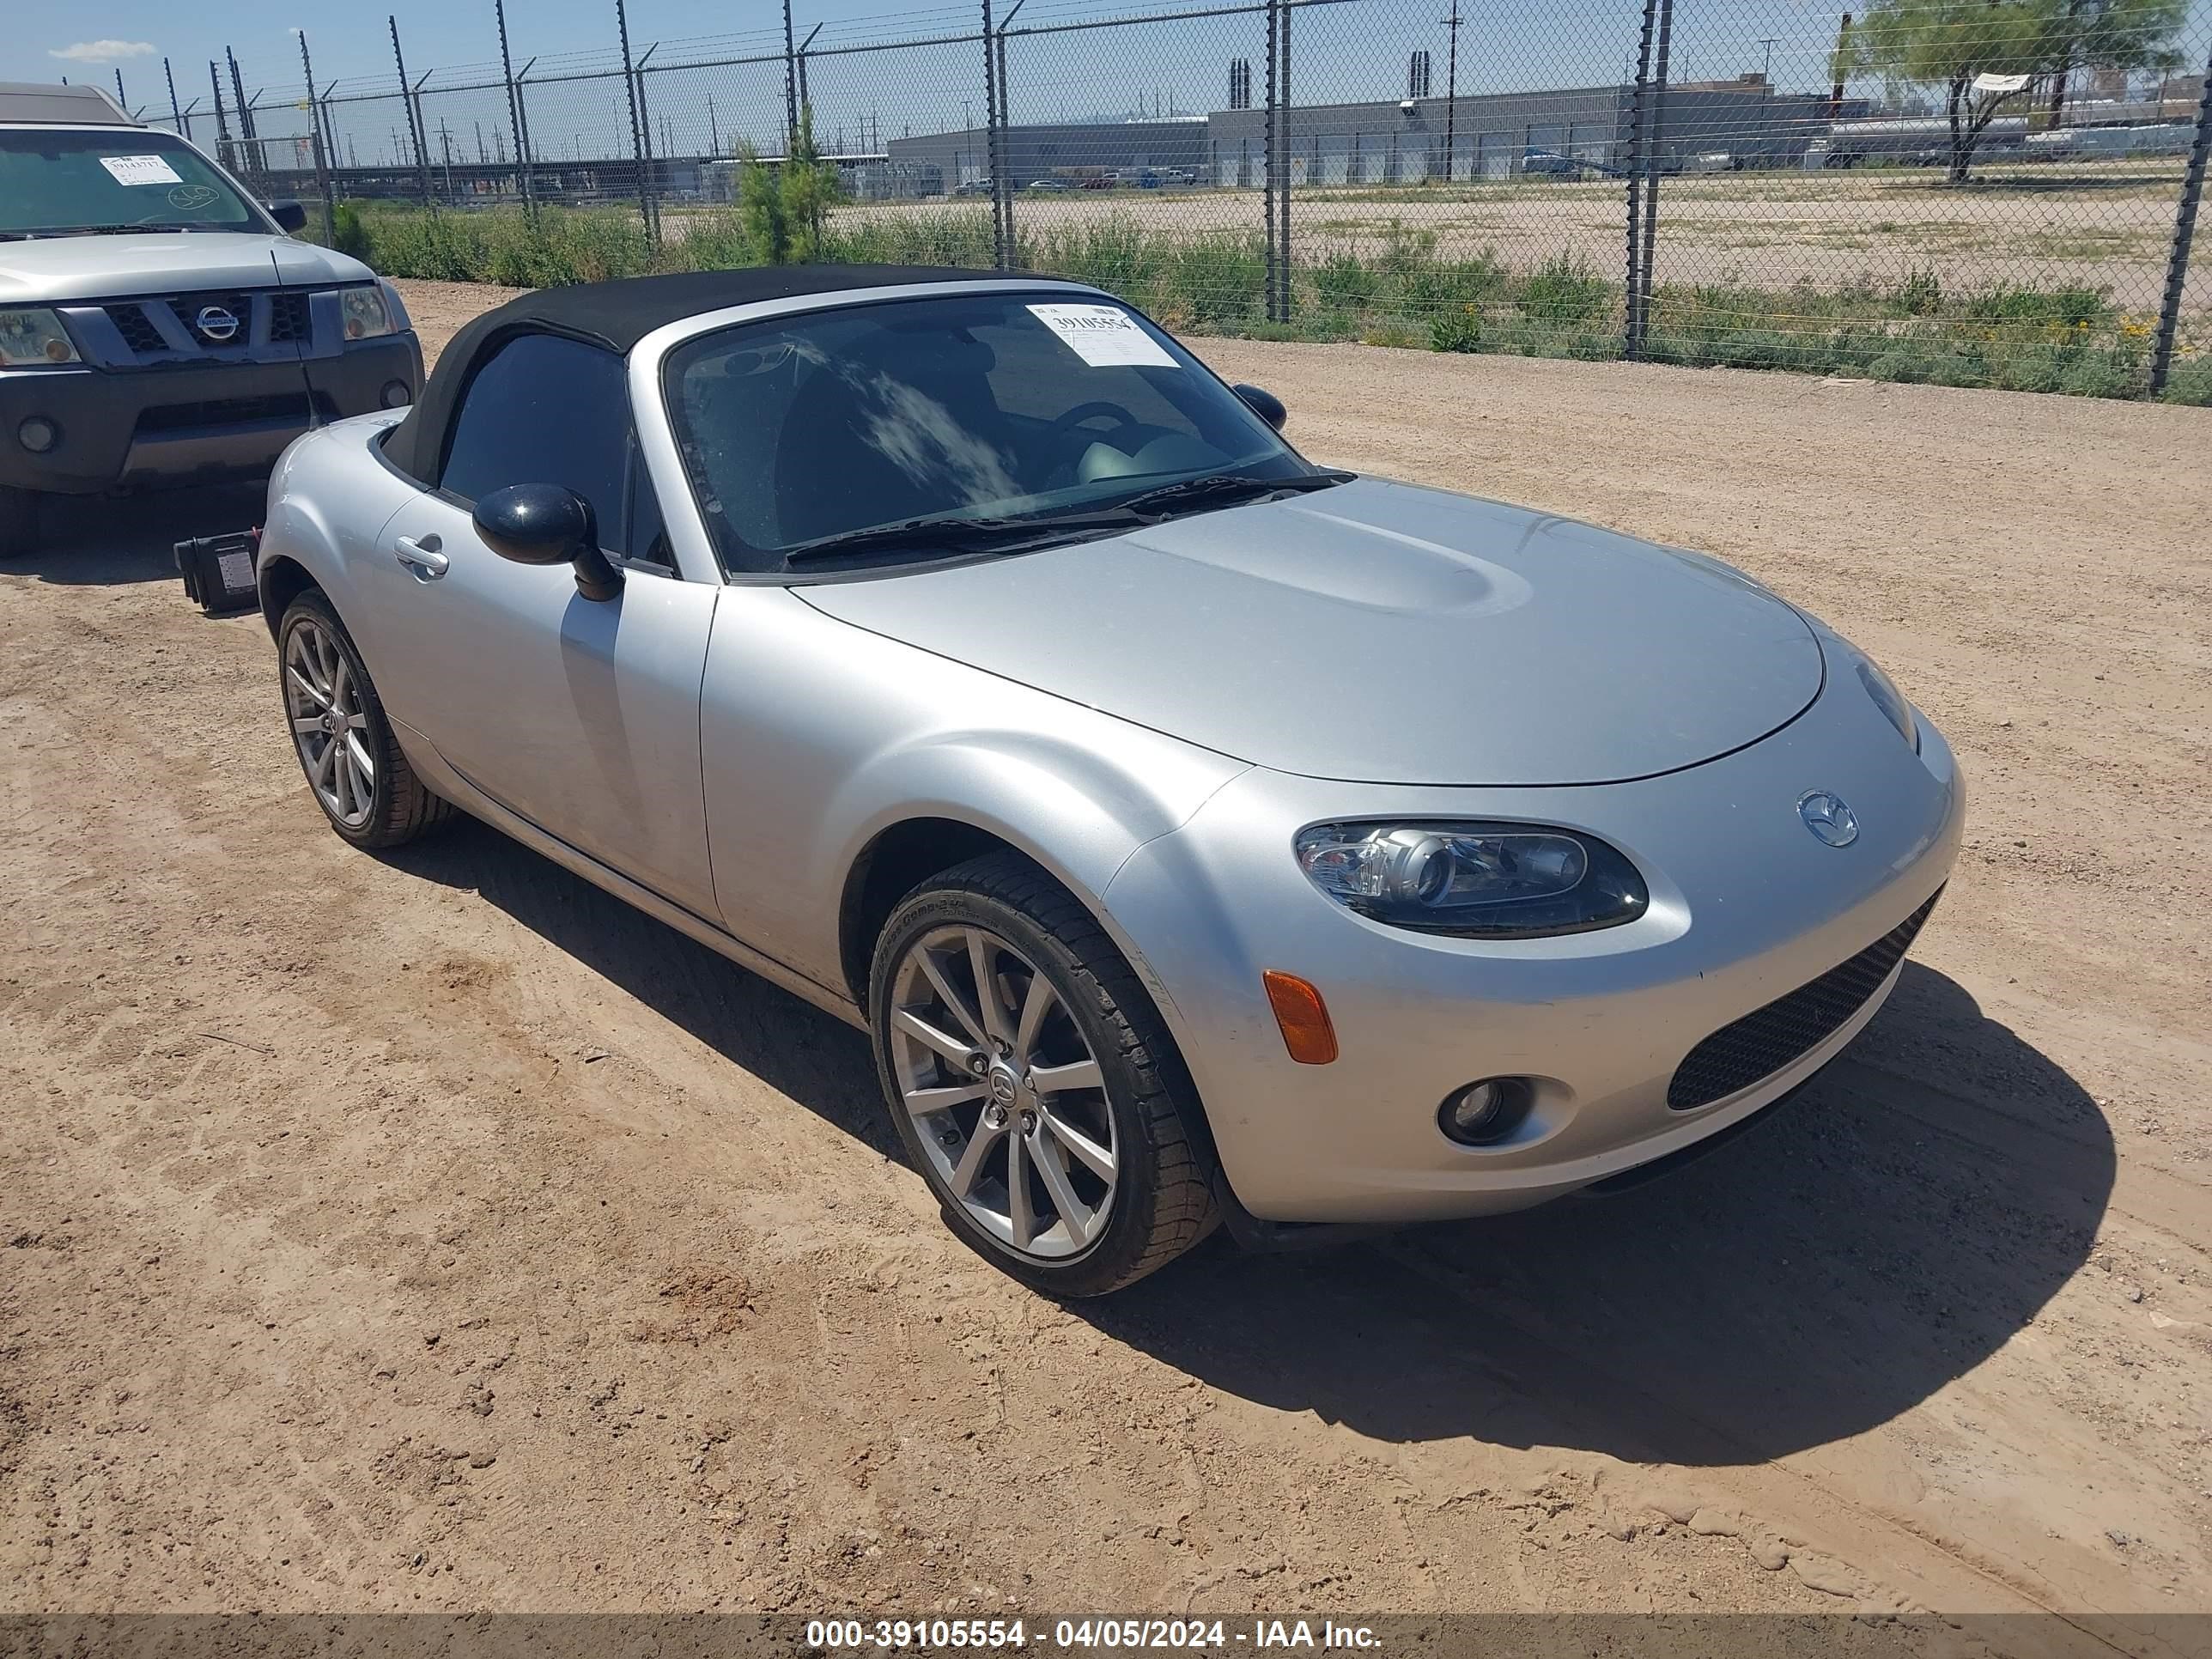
(1009, 1102)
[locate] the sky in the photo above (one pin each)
(1354, 49)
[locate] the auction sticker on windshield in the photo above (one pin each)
(1104, 337)
(140, 170)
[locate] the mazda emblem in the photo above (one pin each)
(1829, 819)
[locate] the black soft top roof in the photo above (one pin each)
(617, 315)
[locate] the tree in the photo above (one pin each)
(1985, 54)
(785, 208)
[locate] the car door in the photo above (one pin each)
(580, 715)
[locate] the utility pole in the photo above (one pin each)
(713, 132)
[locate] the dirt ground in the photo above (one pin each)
(431, 1231)
(2098, 225)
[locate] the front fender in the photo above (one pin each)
(818, 737)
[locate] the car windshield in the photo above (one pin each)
(63, 181)
(1008, 412)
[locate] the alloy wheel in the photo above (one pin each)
(330, 726)
(1007, 1099)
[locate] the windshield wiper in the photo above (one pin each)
(1220, 489)
(955, 535)
(100, 230)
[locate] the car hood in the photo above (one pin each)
(58, 269)
(1382, 633)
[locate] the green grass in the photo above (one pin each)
(1407, 292)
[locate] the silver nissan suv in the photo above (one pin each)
(158, 326)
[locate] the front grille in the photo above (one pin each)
(288, 317)
(136, 328)
(1761, 1044)
(231, 411)
(189, 307)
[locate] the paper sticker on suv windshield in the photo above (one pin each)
(140, 170)
(1103, 335)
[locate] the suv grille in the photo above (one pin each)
(1764, 1041)
(289, 312)
(137, 328)
(287, 316)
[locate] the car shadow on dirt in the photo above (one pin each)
(87, 540)
(1878, 1237)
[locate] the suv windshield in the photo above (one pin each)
(952, 420)
(56, 181)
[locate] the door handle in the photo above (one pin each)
(421, 556)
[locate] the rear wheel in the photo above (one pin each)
(354, 765)
(19, 521)
(1033, 1083)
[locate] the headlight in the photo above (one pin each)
(366, 314)
(1888, 698)
(33, 336)
(1476, 880)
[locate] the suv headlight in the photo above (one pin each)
(1475, 880)
(33, 336)
(1888, 698)
(366, 314)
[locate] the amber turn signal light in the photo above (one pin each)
(1304, 1018)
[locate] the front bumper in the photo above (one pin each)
(1747, 906)
(161, 428)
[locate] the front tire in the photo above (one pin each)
(354, 765)
(1033, 1083)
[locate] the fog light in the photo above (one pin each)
(396, 394)
(1483, 1114)
(37, 434)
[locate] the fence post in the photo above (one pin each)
(2185, 230)
(176, 116)
(1002, 181)
(1655, 164)
(636, 139)
(407, 109)
(322, 160)
(515, 116)
(790, 85)
(254, 167)
(652, 196)
(1632, 308)
(991, 165)
(223, 151)
(1280, 147)
(1267, 143)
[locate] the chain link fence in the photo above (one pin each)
(1997, 193)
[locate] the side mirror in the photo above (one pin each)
(288, 216)
(547, 524)
(1265, 404)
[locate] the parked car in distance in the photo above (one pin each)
(1201, 834)
(158, 326)
(1048, 187)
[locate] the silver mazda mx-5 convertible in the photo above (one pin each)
(1201, 834)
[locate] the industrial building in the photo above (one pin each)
(1743, 123)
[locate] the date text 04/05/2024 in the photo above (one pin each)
(1111, 1634)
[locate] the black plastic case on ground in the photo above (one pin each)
(218, 570)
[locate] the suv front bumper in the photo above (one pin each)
(151, 428)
